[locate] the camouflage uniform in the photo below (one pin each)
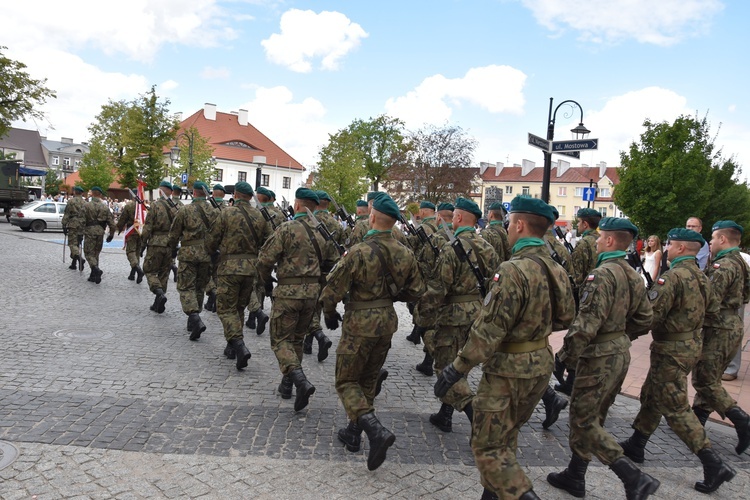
(370, 320)
(496, 235)
(258, 298)
(155, 238)
(427, 260)
(75, 221)
(98, 217)
(614, 308)
(562, 252)
(357, 234)
(213, 276)
(509, 338)
(334, 228)
(190, 227)
(133, 239)
(583, 258)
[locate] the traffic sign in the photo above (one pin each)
(589, 194)
(575, 145)
(184, 178)
(538, 142)
(572, 154)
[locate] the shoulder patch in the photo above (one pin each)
(652, 295)
(487, 298)
(496, 277)
(584, 296)
(717, 265)
(591, 277)
(661, 281)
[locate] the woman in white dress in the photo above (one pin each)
(652, 256)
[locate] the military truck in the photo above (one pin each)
(12, 194)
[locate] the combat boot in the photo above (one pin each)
(304, 388)
(488, 495)
(262, 321)
(131, 277)
(140, 274)
(635, 446)
(324, 343)
(241, 352)
(92, 275)
(567, 387)
(228, 351)
(190, 324)
(160, 301)
(211, 302)
(572, 479)
(553, 405)
(198, 326)
(425, 367)
(285, 387)
(73, 261)
(715, 471)
(702, 415)
(529, 495)
(382, 375)
(379, 437)
(174, 271)
(307, 344)
(98, 277)
(250, 323)
(351, 436)
(415, 337)
(741, 422)
(443, 419)
(81, 262)
(638, 484)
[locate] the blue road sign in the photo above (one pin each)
(575, 145)
(184, 178)
(589, 194)
(506, 205)
(538, 142)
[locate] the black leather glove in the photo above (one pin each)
(65, 230)
(268, 288)
(559, 370)
(447, 379)
(333, 320)
(110, 237)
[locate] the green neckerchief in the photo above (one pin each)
(267, 204)
(617, 254)
(724, 252)
(587, 232)
(240, 202)
(362, 217)
(300, 214)
(495, 222)
(373, 232)
(527, 242)
(219, 200)
(464, 229)
(198, 198)
(316, 212)
(683, 258)
(428, 218)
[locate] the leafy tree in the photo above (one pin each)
(382, 144)
(52, 183)
(111, 132)
(203, 166)
(676, 172)
(341, 172)
(21, 96)
(97, 168)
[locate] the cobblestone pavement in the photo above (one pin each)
(105, 399)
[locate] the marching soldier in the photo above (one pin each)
(495, 232)
(155, 238)
(238, 233)
(177, 202)
(73, 223)
(614, 309)
(426, 258)
(218, 196)
(681, 298)
(256, 318)
(132, 240)
(361, 226)
(98, 217)
(374, 273)
(190, 228)
(530, 293)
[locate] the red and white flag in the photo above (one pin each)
(140, 212)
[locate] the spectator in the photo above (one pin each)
(696, 225)
(652, 256)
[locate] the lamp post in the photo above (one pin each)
(174, 153)
(579, 132)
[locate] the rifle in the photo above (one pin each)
(556, 256)
(65, 240)
(636, 264)
(265, 212)
(167, 199)
(422, 235)
(343, 214)
(560, 235)
(134, 196)
(463, 256)
(323, 230)
(289, 209)
(213, 202)
(284, 211)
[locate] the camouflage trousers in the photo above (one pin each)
(358, 363)
(232, 297)
(665, 393)
(92, 247)
(192, 278)
(156, 265)
(315, 320)
(133, 248)
(289, 321)
(75, 239)
(598, 381)
(449, 339)
(719, 347)
(501, 407)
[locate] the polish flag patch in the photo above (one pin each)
(591, 277)
(496, 277)
(717, 265)
(660, 281)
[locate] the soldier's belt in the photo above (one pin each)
(190, 243)
(672, 336)
(456, 299)
(368, 304)
(102, 224)
(302, 280)
(606, 337)
(238, 256)
(519, 347)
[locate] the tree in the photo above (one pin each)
(21, 96)
(96, 168)
(676, 172)
(52, 183)
(203, 167)
(111, 132)
(382, 144)
(341, 172)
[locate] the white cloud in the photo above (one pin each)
(497, 89)
(306, 35)
(211, 73)
(732, 108)
(662, 22)
(169, 85)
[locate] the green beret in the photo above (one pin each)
(727, 224)
(468, 206)
(219, 187)
(535, 206)
(177, 188)
(273, 195)
(306, 194)
(555, 212)
(244, 188)
(201, 185)
(361, 203)
(427, 204)
(682, 234)
(165, 184)
(617, 224)
(324, 196)
(373, 194)
(97, 189)
(445, 206)
(386, 205)
(78, 188)
(588, 212)
(496, 206)
(261, 190)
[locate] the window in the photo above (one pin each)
(218, 174)
(61, 208)
(66, 162)
(47, 208)
(265, 179)
(525, 190)
(605, 192)
(561, 209)
(508, 189)
(55, 160)
(579, 192)
(287, 183)
(603, 211)
(562, 191)
(576, 209)
(241, 176)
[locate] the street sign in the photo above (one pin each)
(184, 178)
(589, 194)
(538, 142)
(572, 154)
(578, 145)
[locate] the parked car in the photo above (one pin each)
(38, 215)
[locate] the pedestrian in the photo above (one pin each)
(529, 297)
(155, 240)
(98, 218)
(374, 273)
(696, 225)
(133, 241)
(680, 300)
(73, 223)
(652, 256)
(614, 309)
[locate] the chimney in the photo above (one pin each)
(526, 167)
(562, 167)
(602, 168)
(66, 140)
(209, 111)
(243, 117)
(498, 168)
(178, 116)
(483, 166)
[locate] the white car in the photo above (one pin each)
(38, 215)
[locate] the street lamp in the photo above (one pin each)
(579, 132)
(174, 152)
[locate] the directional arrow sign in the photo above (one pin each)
(558, 146)
(589, 194)
(538, 142)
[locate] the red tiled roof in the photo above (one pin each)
(75, 178)
(226, 128)
(572, 175)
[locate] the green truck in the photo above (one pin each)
(12, 194)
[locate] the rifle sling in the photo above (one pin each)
(250, 225)
(315, 245)
(390, 282)
(552, 298)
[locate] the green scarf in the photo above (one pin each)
(724, 252)
(617, 254)
(684, 257)
(300, 214)
(527, 242)
(373, 232)
(464, 229)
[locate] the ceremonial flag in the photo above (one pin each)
(140, 212)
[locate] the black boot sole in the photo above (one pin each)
(196, 334)
(377, 455)
(303, 398)
(428, 372)
(552, 414)
(229, 353)
(262, 325)
(725, 474)
(347, 444)
(323, 350)
(435, 420)
(242, 362)
(552, 479)
(160, 304)
(139, 279)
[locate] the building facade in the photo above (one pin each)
(63, 156)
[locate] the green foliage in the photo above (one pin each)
(96, 168)
(203, 165)
(21, 96)
(675, 172)
(341, 171)
(382, 144)
(110, 131)
(52, 183)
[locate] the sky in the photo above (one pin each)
(306, 69)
